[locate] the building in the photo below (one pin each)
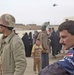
(32, 27)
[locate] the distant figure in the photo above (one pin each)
(36, 54)
(49, 32)
(26, 44)
(49, 35)
(35, 35)
(30, 43)
(45, 44)
(54, 43)
(59, 45)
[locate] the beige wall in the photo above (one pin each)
(32, 27)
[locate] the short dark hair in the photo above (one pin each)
(38, 39)
(52, 28)
(49, 28)
(68, 25)
(43, 28)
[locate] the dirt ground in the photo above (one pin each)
(29, 69)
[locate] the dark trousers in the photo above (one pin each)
(54, 69)
(45, 60)
(54, 50)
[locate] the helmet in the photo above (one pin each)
(7, 20)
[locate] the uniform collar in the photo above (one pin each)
(72, 48)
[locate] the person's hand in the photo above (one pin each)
(32, 56)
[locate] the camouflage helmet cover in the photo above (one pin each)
(7, 20)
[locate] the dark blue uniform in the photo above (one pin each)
(68, 61)
(61, 67)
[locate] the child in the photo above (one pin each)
(36, 54)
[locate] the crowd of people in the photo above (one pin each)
(28, 43)
(14, 50)
(49, 39)
(29, 39)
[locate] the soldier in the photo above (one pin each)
(11, 48)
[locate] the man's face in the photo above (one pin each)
(49, 29)
(2, 29)
(66, 39)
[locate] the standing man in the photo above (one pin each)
(49, 32)
(54, 43)
(49, 35)
(11, 48)
(45, 44)
(66, 65)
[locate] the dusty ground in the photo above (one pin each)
(29, 69)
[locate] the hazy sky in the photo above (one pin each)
(38, 11)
